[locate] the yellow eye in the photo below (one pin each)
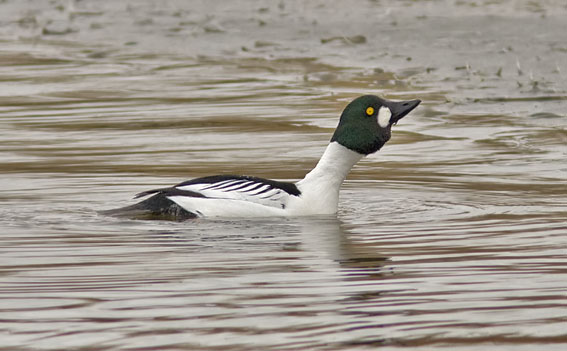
(370, 111)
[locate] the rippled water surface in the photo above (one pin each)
(453, 236)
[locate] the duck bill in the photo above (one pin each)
(401, 108)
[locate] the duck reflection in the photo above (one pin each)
(329, 236)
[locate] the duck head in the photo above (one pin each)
(366, 123)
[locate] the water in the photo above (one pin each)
(452, 236)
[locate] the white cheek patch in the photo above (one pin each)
(384, 115)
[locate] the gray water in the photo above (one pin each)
(453, 236)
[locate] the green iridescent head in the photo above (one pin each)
(366, 123)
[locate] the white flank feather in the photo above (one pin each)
(207, 207)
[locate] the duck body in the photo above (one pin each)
(364, 128)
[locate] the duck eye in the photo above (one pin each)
(370, 111)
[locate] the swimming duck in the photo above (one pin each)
(364, 127)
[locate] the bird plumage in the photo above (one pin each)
(364, 127)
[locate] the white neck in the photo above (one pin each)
(320, 187)
(334, 165)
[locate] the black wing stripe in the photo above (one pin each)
(226, 185)
(215, 181)
(263, 191)
(233, 187)
(212, 186)
(256, 187)
(246, 187)
(243, 186)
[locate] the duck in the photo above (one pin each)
(365, 125)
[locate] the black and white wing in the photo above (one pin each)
(252, 190)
